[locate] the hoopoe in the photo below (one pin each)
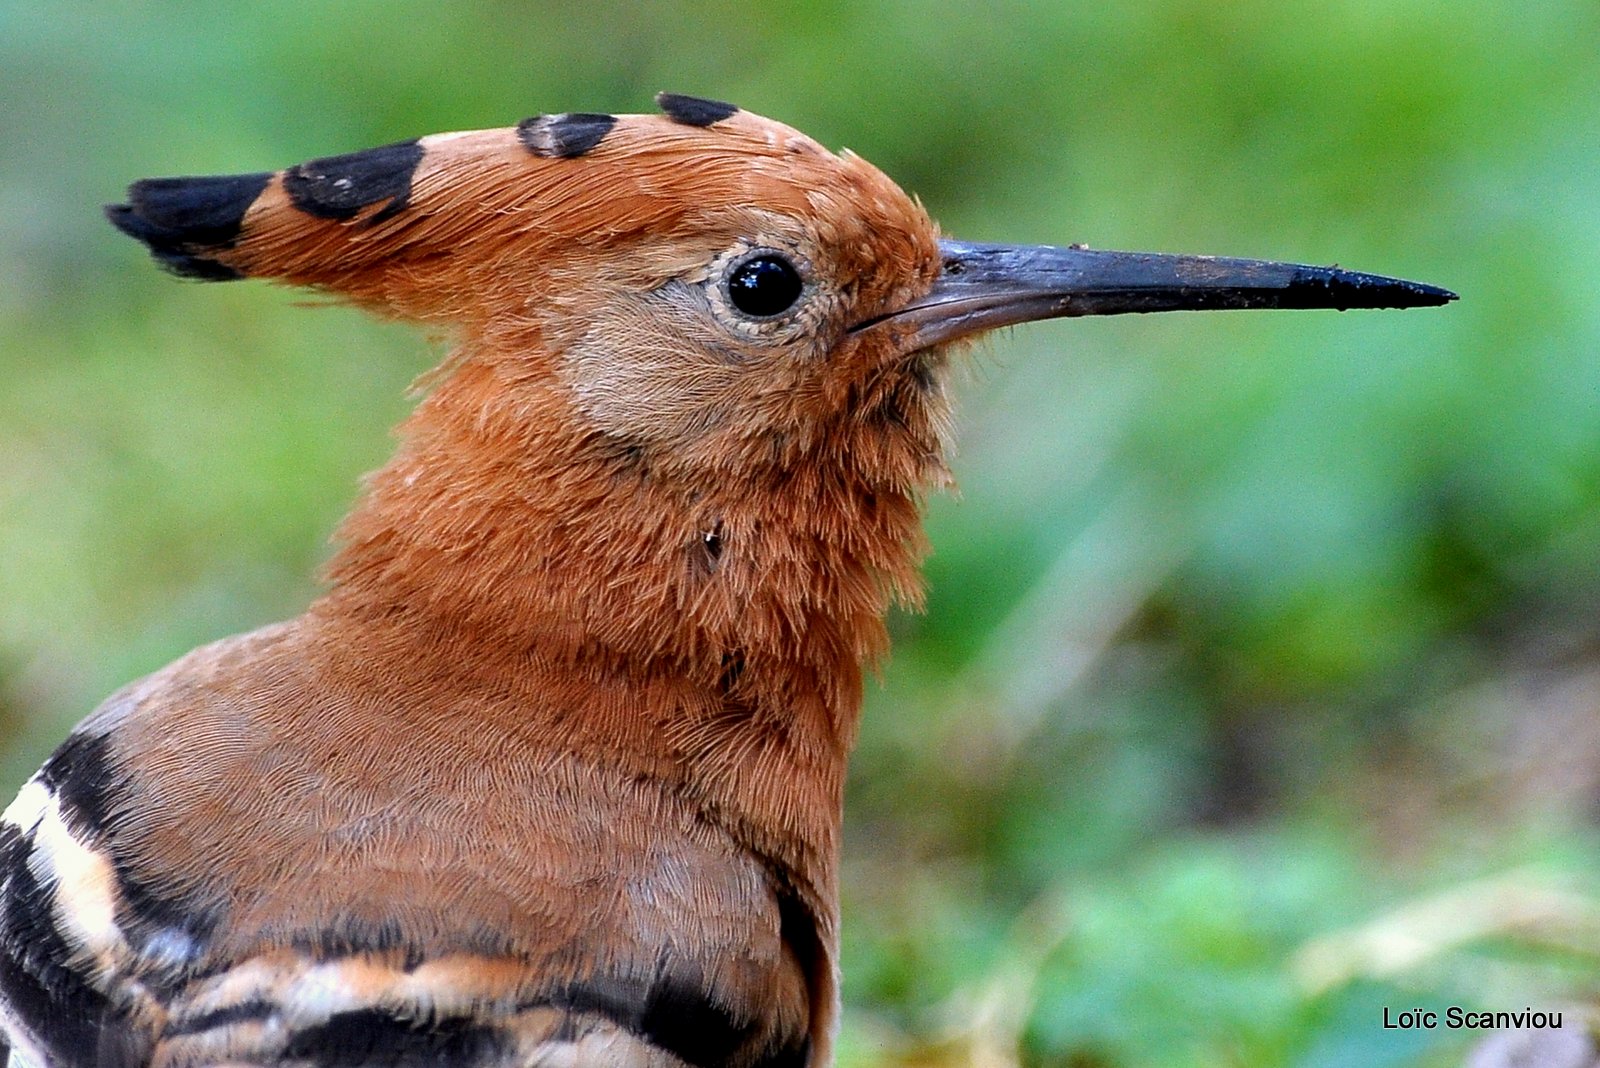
(552, 773)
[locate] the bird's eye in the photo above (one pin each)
(764, 285)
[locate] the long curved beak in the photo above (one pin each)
(983, 287)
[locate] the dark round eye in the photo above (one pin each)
(764, 285)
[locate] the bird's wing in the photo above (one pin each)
(62, 952)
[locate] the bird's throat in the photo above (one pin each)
(575, 591)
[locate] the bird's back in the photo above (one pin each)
(215, 869)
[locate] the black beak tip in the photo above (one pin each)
(1322, 287)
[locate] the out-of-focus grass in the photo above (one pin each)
(1250, 640)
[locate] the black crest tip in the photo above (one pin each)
(180, 219)
(564, 136)
(337, 187)
(693, 110)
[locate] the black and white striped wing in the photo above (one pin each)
(63, 955)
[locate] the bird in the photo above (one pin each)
(551, 773)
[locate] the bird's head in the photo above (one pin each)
(697, 274)
(699, 356)
(701, 274)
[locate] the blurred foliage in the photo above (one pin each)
(1255, 644)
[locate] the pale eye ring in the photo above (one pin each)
(764, 285)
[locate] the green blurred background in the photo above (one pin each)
(1259, 684)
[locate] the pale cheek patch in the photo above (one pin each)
(656, 371)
